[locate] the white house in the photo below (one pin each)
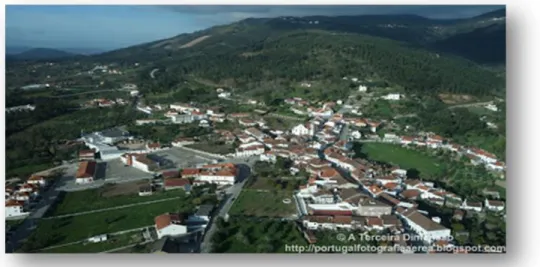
(224, 95)
(37, 180)
(248, 151)
(492, 107)
(355, 135)
(362, 88)
(267, 157)
(327, 222)
(324, 113)
(497, 166)
(427, 229)
(170, 225)
(182, 142)
(145, 121)
(139, 161)
(474, 206)
(183, 108)
(217, 174)
(494, 205)
(145, 109)
(482, 155)
(303, 129)
(15, 208)
(183, 118)
(85, 173)
(392, 97)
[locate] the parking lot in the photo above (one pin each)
(182, 158)
(112, 171)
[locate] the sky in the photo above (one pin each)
(110, 27)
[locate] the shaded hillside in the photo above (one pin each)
(485, 45)
(41, 54)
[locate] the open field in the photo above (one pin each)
(106, 197)
(451, 99)
(213, 148)
(263, 204)
(279, 124)
(115, 190)
(50, 232)
(405, 158)
(113, 242)
(196, 41)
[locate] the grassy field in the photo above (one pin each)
(279, 124)
(113, 242)
(13, 223)
(52, 232)
(263, 204)
(29, 169)
(405, 158)
(87, 200)
(213, 148)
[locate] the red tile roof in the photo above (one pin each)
(374, 221)
(410, 193)
(154, 145)
(190, 172)
(36, 178)
(170, 174)
(86, 169)
(167, 219)
(176, 182)
(14, 203)
(328, 173)
(390, 186)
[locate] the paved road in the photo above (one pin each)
(152, 73)
(232, 193)
(89, 92)
(470, 105)
(113, 208)
(406, 116)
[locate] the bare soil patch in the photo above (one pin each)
(122, 189)
(196, 41)
(455, 98)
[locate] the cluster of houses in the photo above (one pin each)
(21, 108)
(221, 174)
(181, 113)
(18, 198)
(476, 155)
(346, 193)
(104, 102)
(369, 198)
(302, 107)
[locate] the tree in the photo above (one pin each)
(413, 173)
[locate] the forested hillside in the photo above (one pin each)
(422, 55)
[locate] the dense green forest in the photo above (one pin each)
(250, 59)
(44, 142)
